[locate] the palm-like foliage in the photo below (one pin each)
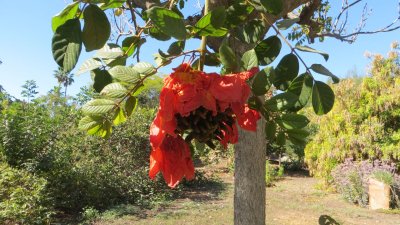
(65, 79)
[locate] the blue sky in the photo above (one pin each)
(25, 44)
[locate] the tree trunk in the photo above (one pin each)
(249, 199)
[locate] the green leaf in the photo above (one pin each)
(228, 57)
(125, 74)
(109, 51)
(98, 107)
(119, 117)
(287, 23)
(129, 45)
(89, 122)
(157, 34)
(251, 32)
(211, 24)
(101, 78)
(318, 68)
(293, 121)
(261, 82)
(114, 90)
(176, 48)
(302, 87)
(323, 98)
(111, 4)
(268, 49)
(130, 105)
(281, 138)
(297, 136)
(69, 12)
(281, 102)
(103, 130)
(89, 65)
(97, 29)
(168, 22)
(309, 49)
(67, 44)
(144, 68)
(286, 71)
(249, 60)
(270, 130)
(273, 6)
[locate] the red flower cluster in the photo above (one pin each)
(206, 107)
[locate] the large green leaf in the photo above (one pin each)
(261, 82)
(293, 121)
(281, 102)
(144, 68)
(270, 130)
(101, 78)
(309, 49)
(130, 105)
(297, 136)
(119, 116)
(114, 90)
(176, 48)
(324, 71)
(97, 29)
(302, 86)
(211, 24)
(268, 49)
(109, 51)
(67, 44)
(129, 45)
(287, 23)
(69, 12)
(168, 21)
(228, 57)
(98, 107)
(110, 4)
(89, 65)
(272, 6)
(323, 98)
(89, 122)
(125, 74)
(249, 60)
(103, 129)
(286, 71)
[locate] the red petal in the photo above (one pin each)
(246, 117)
(173, 159)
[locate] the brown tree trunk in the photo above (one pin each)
(249, 199)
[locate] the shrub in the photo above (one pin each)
(351, 178)
(272, 173)
(364, 122)
(23, 198)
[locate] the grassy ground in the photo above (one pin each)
(292, 201)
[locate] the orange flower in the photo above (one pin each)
(202, 106)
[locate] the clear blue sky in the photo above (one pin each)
(25, 44)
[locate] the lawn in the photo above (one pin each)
(294, 200)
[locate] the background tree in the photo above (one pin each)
(64, 79)
(29, 90)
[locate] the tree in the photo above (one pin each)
(63, 78)
(232, 34)
(29, 90)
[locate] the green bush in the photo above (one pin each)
(23, 198)
(272, 173)
(364, 123)
(79, 171)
